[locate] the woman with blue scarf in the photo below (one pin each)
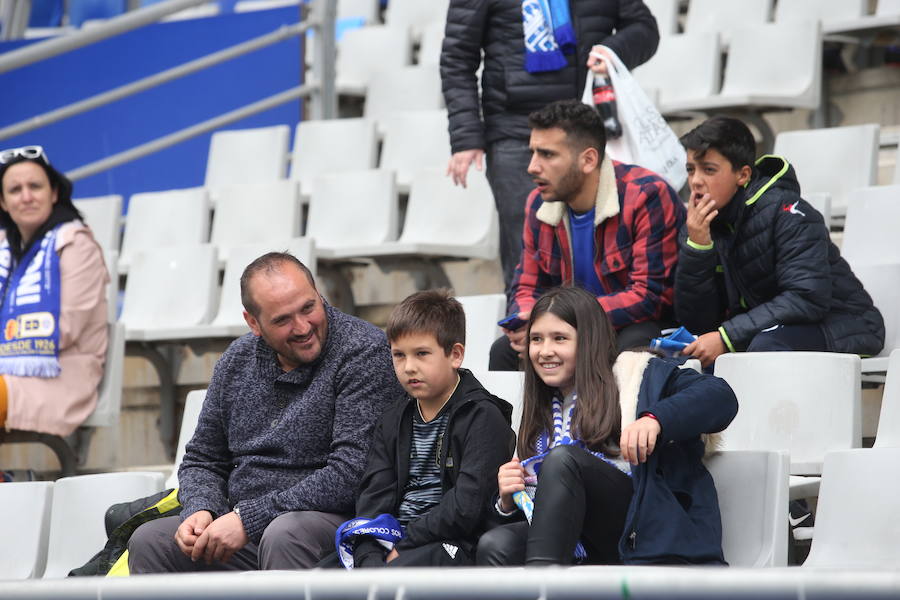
(53, 310)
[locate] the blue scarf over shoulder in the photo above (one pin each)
(548, 33)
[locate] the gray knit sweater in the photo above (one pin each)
(272, 442)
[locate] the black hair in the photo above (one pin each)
(269, 262)
(583, 126)
(63, 211)
(434, 312)
(728, 136)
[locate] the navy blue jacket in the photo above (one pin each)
(674, 514)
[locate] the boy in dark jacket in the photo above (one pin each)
(757, 270)
(435, 455)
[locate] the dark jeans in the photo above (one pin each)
(579, 497)
(504, 358)
(507, 173)
(787, 338)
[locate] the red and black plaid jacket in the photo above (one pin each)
(637, 217)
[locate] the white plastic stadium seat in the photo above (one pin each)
(229, 321)
(751, 82)
(109, 394)
(882, 282)
(415, 14)
(856, 524)
(364, 52)
(508, 385)
(807, 403)
(753, 492)
(432, 43)
(170, 291)
(835, 160)
(821, 201)
(675, 84)
(247, 156)
(723, 16)
(365, 9)
(162, 219)
(192, 405)
(409, 88)
(414, 140)
(254, 213)
(353, 208)
(23, 548)
(322, 147)
(666, 13)
(870, 228)
(103, 215)
(888, 435)
(833, 13)
(442, 220)
(482, 314)
(897, 169)
(77, 531)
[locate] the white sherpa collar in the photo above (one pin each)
(605, 206)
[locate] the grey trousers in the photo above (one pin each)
(294, 540)
(507, 172)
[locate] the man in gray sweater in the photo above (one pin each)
(283, 435)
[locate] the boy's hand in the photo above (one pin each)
(510, 479)
(708, 347)
(391, 555)
(701, 212)
(639, 439)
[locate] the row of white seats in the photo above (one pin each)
(726, 15)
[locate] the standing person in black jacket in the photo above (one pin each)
(509, 92)
(757, 270)
(436, 450)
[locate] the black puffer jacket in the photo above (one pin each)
(509, 92)
(773, 263)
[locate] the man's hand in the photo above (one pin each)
(708, 347)
(220, 540)
(190, 529)
(391, 555)
(598, 64)
(458, 167)
(516, 337)
(639, 439)
(701, 212)
(510, 479)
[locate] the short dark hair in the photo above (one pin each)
(434, 312)
(583, 126)
(269, 263)
(728, 136)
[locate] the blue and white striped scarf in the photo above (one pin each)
(384, 529)
(548, 33)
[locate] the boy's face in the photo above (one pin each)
(713, 175)
(425, 371)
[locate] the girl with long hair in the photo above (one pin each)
(609, 455)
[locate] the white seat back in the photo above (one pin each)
(882, 282)
(415, 140)
(253, 213)
(888, 8)
(871, 226)
(666, 13)
(363, 52)
(835, 160)
(797, 50)
(482, 314)
(508, 385)
(192, 405)
(103, 215)
(231, 311)
(665, 71)
(109, 394)
(897, 164)
(158, 219)
(442, 213)
(247, 156)
(365, 9)
(409, 88)
(828, 11)
(856, 524)
(432, 44)
(171, 288)
(722, 16)
(77, 531)
(353, 209)
(821, 201)
(322, 147)
(888, 435)
(415, 14)
(753, 492)
(23, 549)
(806, 403)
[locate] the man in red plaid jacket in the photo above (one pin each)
(608, 227)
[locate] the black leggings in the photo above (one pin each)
(579, 497)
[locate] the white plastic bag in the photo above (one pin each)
(647, 140)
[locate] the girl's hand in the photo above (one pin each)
(510, 479)
(639, 439)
